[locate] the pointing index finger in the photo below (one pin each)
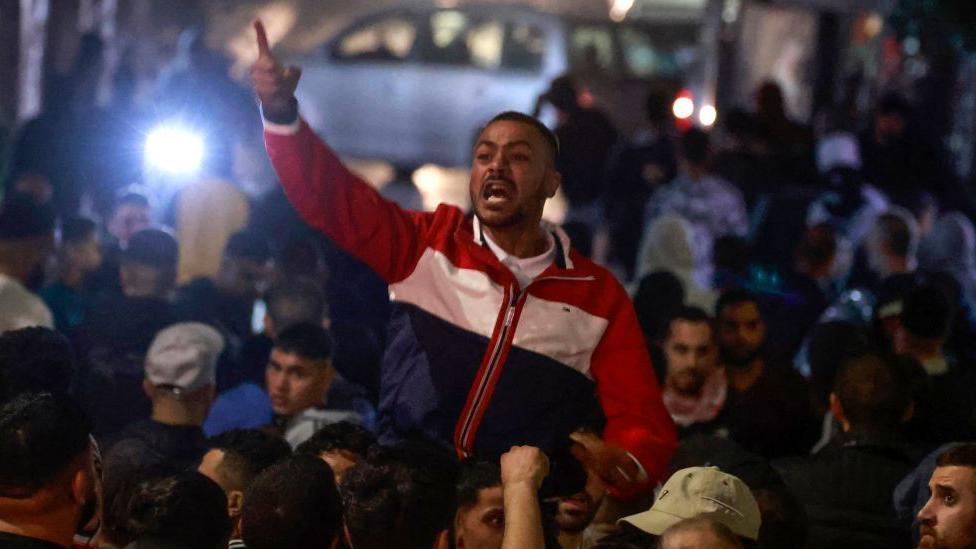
(264, 50)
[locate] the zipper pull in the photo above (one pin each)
(510, 314)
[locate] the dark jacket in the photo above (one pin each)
(148, 443)
(846, 489)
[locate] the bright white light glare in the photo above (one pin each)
(619, 9)
(175, 150)
(683, 108)
(707, 115)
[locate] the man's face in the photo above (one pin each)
(243, 277)
(86, 255)
(741, 333)
(691, 355)
(948, 520)
(127, 220)
(296, 383)
(512, 175)
(482, 525)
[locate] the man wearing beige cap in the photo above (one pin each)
(704, 492)
(180, 373)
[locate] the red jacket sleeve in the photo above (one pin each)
(628, 391)
(348, 210)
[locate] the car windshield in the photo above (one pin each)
(644, 51)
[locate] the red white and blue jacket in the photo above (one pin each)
(473, 360)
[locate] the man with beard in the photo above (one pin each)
(695, 388)
(48, 471)
(26, 241)
(502, 334)
(768, 406)
(948, 520)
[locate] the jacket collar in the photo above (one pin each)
(560, 238)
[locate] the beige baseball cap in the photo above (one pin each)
(702, 492)
(184, 356)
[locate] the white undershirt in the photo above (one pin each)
(525, 269)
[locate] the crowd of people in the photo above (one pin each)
(788, 361)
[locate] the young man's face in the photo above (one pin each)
(482, 525)
(948, 520)
(512, 174)
(127, 220)
(691, 355)
(741, 333)
(86, 255)
(296, 383)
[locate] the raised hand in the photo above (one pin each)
(273, 83)
(524, 464)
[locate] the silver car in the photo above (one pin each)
(413, 85)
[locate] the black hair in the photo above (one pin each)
(695, 147)
(659, 295)
(34, 359)
(927, 312)
(545, 132)
(306, 340)
(343, 435)
(830, 344)
(873, 392)
(119, 488)
(404, 493)
(153, 247)
(295, 300)
(961, 455)
(186, 509)
(475, 476)
(734, 296)
(293, 504)
(688, 314)
(248, 244)
(22, 218)
(75, 230)
(41, 434)
(247, 452)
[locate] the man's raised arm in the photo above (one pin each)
(324, 192)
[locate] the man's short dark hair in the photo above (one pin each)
(695, 147)
(896, 232)
(734, 296)
(41, 434)
(693, 315)
(926, 312)
(306, 340)
(76, 230)
(247, 452)
(475, 477)
(960, 455)
(514, 116)
(873, 392)
(248, 244)
(295, 300)
(343, 435)
(293, 504)
(153, 247)
(406, 493)
(186, 509)
(34, 359)
(22, 218)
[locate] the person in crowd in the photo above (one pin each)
(49, 477)
(130, 214)
(440, 358)
(586, 137)
(947, 409)
(713, 206)
(26, 241)
(575, 514)
(950, 247)
(948, 520)
(113, 341)
(846, 486)
(892, 244)
(35, 359)
(299, 375)
(342, 445)
(233, 461)
(669, 246)
(295, 504)
(695, 387)
(179, 382)
(78, 255)
(789, 144)
(635, 171)
(480, 519)
(741, 161)
(702, 492)
(767, 409)
(699, 533)
(185, 510)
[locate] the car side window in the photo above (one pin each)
(388, 39)
(591, 50)
(524, 47)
